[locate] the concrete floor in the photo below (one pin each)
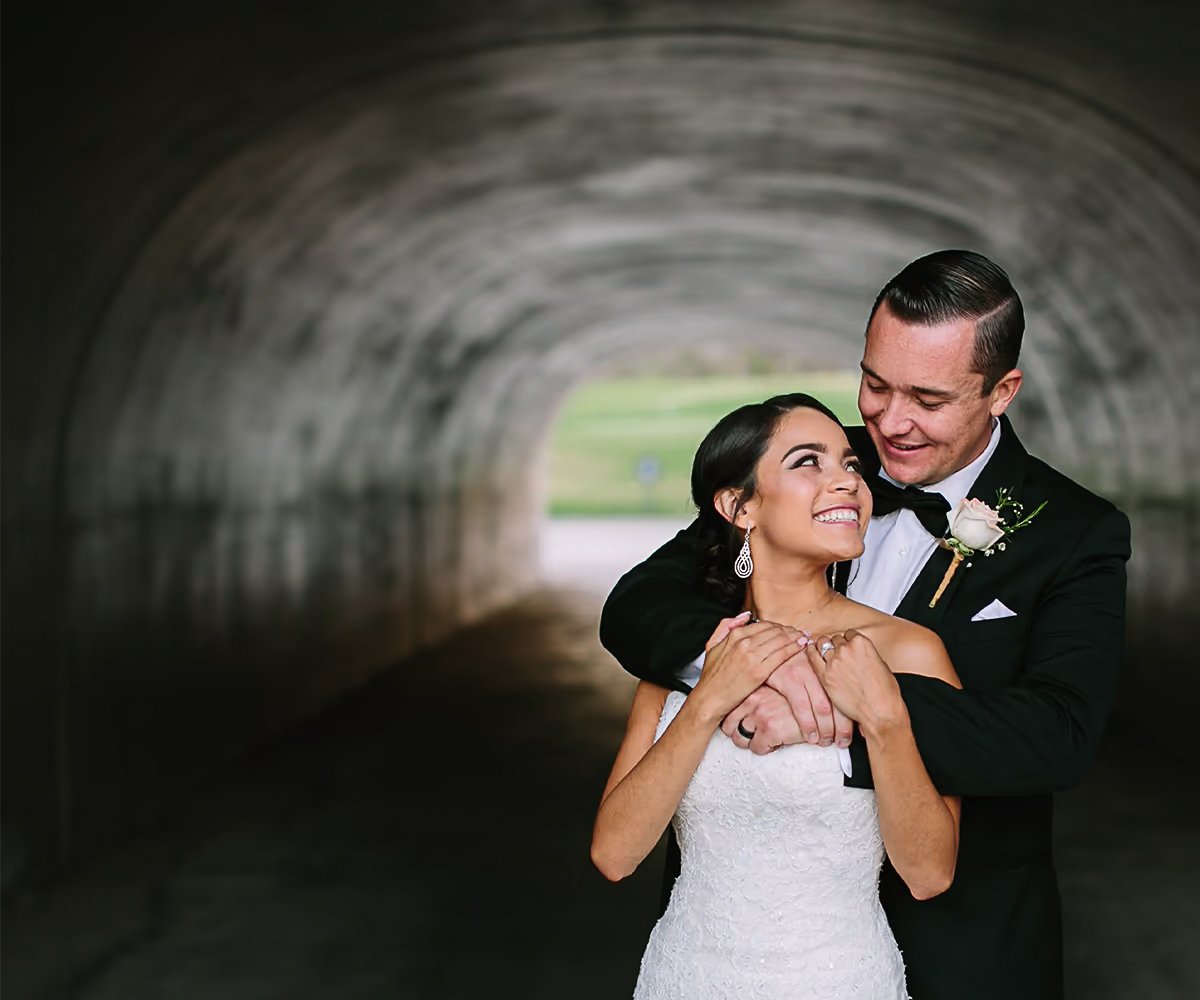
(429, 838)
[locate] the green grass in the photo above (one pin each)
(607, 427)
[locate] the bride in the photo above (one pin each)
(777, 894)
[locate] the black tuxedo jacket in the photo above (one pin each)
(1037, 689)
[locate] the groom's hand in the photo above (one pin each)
(767, 714)
(820, 721)
(777, 719)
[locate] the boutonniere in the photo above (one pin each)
(976, 527)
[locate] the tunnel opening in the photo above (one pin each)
(619, 454)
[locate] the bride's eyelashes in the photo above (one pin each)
(813, 459)
(810, 459)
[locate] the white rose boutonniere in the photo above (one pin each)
(976, 527)
(975, 524)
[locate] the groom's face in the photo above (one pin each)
(922, 403)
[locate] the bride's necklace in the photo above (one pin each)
(801, 614)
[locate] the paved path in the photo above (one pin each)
(428, 838)
(590, 554)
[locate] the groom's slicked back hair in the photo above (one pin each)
(959, 284)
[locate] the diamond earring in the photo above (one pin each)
(744, 565)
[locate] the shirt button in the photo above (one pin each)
(904, 550)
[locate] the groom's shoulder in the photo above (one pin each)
(1073, 510)
(1052, 482)
(864, 447)
(858, 437)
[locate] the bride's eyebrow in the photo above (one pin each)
(813, 446)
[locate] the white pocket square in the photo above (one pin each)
(994, 610)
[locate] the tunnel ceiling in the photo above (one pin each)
(360, 293)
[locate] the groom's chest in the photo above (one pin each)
(986, 610)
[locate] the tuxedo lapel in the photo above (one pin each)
(915, 604)
(1006, 469)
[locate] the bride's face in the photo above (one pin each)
(810, 499)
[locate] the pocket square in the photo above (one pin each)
(994, 610)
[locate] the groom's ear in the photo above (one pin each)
(728, 503)
(1003, 391)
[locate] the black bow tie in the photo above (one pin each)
(930, 508)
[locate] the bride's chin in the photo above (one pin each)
(812, 550)
(827, 557)
(844, 544)
(846, 553)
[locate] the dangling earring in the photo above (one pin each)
(744, 565)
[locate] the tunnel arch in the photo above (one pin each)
(662, 201)
(314, 404)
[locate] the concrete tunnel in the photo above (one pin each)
(292, 302)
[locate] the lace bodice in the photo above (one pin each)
(778, 893)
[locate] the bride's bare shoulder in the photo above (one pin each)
(874, 623)
(907, 647)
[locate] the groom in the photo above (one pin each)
(1035, 628)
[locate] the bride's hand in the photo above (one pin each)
(854, 675)
(740, 663)
(727, 625)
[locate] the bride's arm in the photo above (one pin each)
(918, 824)
(648, 779)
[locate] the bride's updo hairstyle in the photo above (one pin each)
(726, 459)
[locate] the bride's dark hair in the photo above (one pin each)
(726, 459)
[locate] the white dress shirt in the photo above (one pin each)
(897, 544)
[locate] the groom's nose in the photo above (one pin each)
(895, 419)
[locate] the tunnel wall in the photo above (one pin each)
(294, 301)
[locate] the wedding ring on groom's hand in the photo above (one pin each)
(749, 734)
(824, 648)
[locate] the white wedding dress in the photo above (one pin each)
(778, 894)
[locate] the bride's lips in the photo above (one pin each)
(853, 508)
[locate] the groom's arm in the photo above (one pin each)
(1040, 733)
(657, 619)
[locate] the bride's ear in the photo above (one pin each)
(728, 503)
